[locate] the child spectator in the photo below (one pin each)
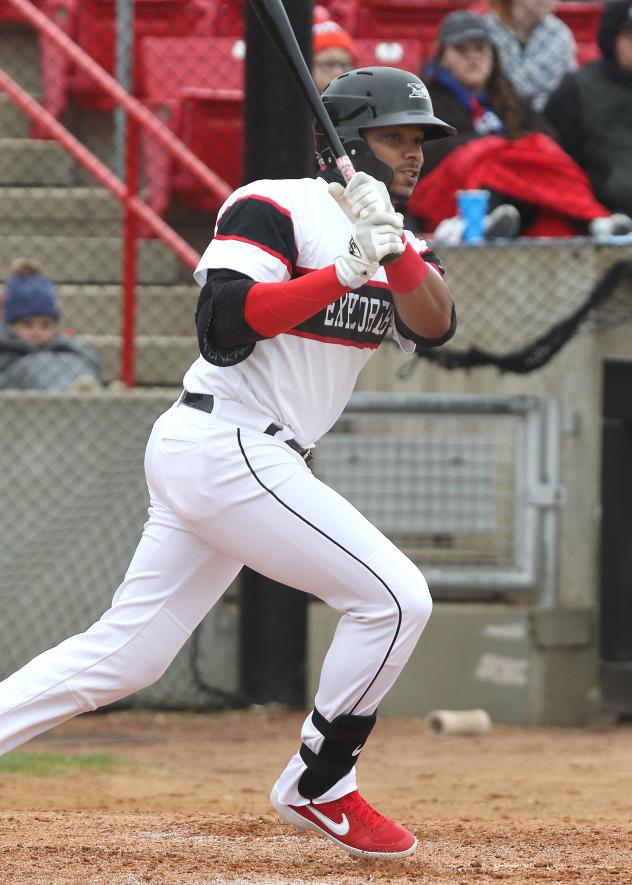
(34, 353)
(536, 48)
(502, 145)
(592, 111)
(333, 51)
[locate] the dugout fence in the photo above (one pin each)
(467, 486)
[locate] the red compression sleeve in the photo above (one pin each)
(408, 272)
(272, 308)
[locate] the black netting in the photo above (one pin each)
(608, 303)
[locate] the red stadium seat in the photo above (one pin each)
(406, 54)
(8, 12)
(387, 19)
(582, 19)
(210, 123)
(92, 24)
(185, 78)
(344, 12)
(587, 52)
(229, 18)
(171, 64)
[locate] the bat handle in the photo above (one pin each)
(345, 166)
(347, 171)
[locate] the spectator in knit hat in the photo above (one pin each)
(34, 353)
(592, 111)
(333, 52)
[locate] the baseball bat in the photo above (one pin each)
(274, 19)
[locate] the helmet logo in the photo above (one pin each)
(418, 90)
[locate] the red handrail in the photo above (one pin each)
(134, 108)
(135, 209)
(97, 169)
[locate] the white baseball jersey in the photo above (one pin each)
(275, 230)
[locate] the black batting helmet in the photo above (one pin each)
(370, 97)
(380, 96)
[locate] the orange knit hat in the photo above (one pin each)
(327, 34)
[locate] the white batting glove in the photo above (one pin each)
(363, 196)
(371, 240)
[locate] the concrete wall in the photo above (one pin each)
(522, 664)
(74, 502)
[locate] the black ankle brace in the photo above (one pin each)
(344, 739)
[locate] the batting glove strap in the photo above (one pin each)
(362, 197)
(372, 239)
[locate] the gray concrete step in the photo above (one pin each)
(77, 211)
(91, 259)
(34, 162)
(20, 55)
(161, 310)
(160, 361)
(87, 211)
(13, 122)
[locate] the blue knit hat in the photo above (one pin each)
(27, 296)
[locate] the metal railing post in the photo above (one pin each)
(125, 14)
(130, 257)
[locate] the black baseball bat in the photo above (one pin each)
(274, 19)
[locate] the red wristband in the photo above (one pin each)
(408, 272)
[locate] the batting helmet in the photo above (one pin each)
(380, 96)
(370, 97)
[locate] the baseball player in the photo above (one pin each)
(293, 303)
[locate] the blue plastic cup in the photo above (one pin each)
(473, 209)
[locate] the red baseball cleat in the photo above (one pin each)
(352, 824)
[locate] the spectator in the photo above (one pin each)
(592, 111)
(536, 48)
(34, 353)
(333, 51)
(502, 145)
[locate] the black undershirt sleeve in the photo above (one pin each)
(223, 334)
(425, 343)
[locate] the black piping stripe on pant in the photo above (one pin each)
(333, 541)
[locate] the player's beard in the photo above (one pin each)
(400, 201)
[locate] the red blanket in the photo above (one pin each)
(532, 169)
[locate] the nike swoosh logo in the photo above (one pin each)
(357, 750)
(340, 829)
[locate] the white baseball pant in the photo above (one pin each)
(224, 494)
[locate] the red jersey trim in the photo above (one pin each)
(325, 340)
(263, 199)
(274, 254)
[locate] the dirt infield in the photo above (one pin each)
(168, 798)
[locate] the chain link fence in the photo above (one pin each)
(71, 483)
(448, 479)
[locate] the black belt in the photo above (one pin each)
(205, 402)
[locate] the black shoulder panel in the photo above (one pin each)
(264, 223)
